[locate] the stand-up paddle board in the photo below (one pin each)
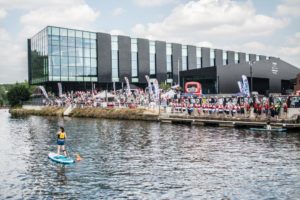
(271, 130)
(60, 158)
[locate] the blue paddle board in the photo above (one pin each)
(60, 158)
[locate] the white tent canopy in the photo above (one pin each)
(103, 95)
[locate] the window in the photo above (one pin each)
(257, 57)
(236, 58)
(134, 58)
(115, 57)
(212, 58)
(184, 57)
(199, 57)
(152, 57)
(169, 58)
(225, 58)
(247, 57)
(72, 53)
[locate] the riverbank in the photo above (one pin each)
(105, 113)
(154, 115)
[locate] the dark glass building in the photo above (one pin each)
(81, 59)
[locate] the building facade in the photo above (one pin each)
(80, 59)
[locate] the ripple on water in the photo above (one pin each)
(143, 160)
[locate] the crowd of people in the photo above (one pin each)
(175, 101)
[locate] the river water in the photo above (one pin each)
(145, 160)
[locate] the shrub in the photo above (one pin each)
(18, 94)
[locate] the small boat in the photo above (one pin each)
(269, 130)
(60, 158)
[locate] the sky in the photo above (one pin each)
(265, 27)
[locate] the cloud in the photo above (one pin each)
(118, 12)
(211, 19)
(2, 14)
(38, 14)
(116, 32)
(75, 16)
(13, 59)
(152, 2)
(289, 8)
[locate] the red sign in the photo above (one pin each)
(193, 88)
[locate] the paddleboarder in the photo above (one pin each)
(61, 136)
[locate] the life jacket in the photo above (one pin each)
(61, 135)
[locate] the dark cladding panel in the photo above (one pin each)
(161, 62)
(262, 58)
(230, 57)
(252, 57)
(242, 57)
(143, 59)
(29, 60)
(176, 57)
(205, 57)
(219, 57)
(124, 44)
(104, 57)
(192, 63)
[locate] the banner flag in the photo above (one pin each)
(128, 86)
(59, 89)
(149, 85)
(44, 91)
(245, 85)
(240, 86)
(156, 87)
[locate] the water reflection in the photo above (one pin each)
(143, 160)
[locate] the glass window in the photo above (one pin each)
(72, 61)
(93, 44)
(63, 41)
(55, 50)
(63, 32)
(225, 59)
(247, 58)
(79, 71)
(93, 53)
(72, 51)
(56, 70)
(114, 55)
(55, 60)
(78, 34)
(72, 71)
(87, 71)
(49, 30)
(236, 58)
(79, 52)
(64, 71)
(87, 62)
(212, 58)
(55, 31)
(64, 61)
(199, 59)
(184, 57)
(71, 41)
(257, 57)
(71, 33)
(93, 62)
(79, 61)
(87, 52)
(86, 35)
(134, 45)
(55, 40)
(78, 42)
(114, 46)
(94, 71)
(64, 51)
(169, 49)
(86, 43)
(93, 35)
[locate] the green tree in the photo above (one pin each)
(17, 94)
(164, 86)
